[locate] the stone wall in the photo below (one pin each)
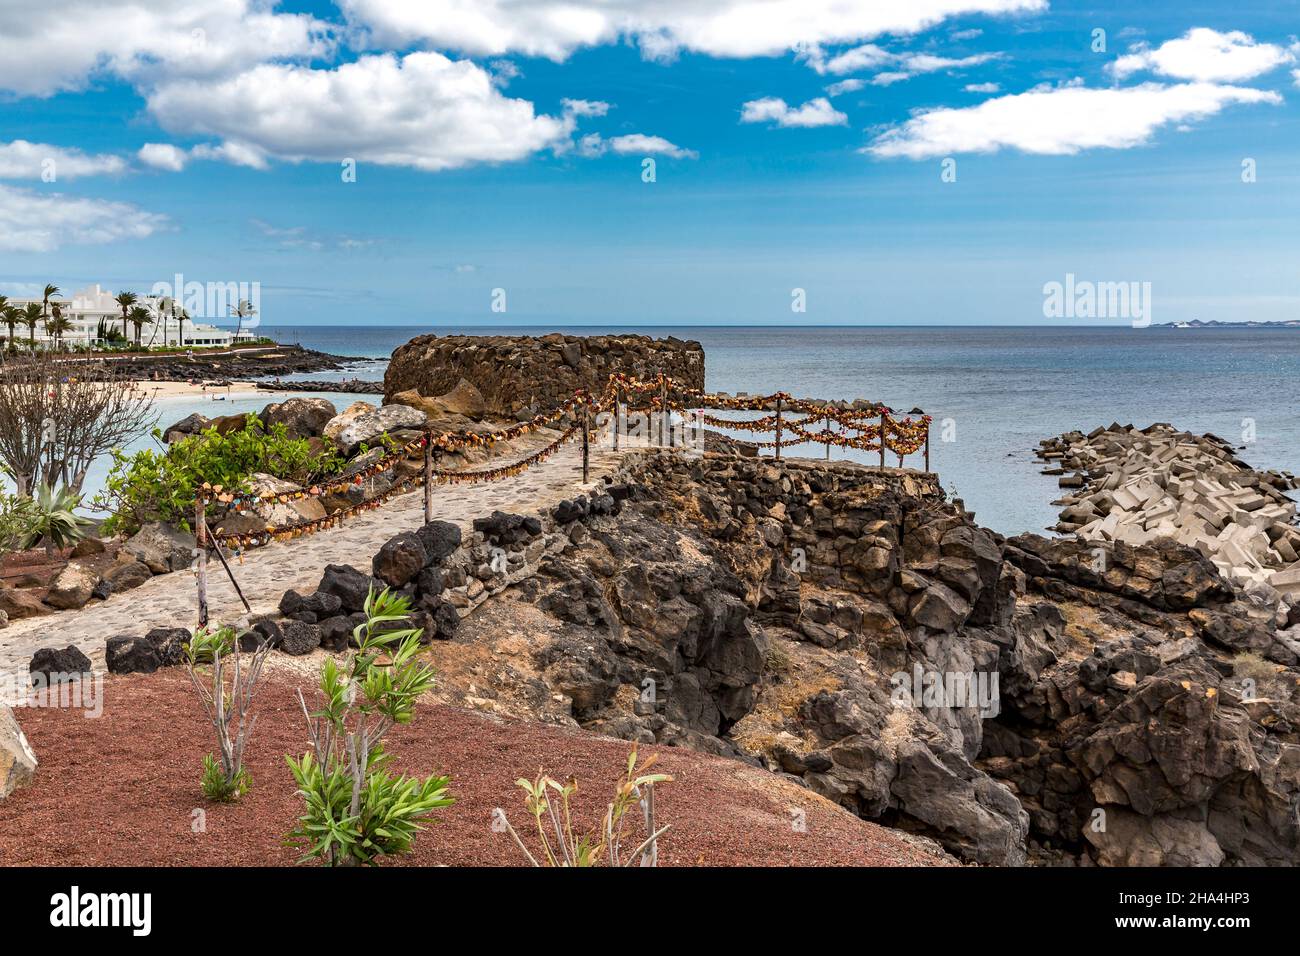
(520, 375)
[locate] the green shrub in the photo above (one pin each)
(356, 810)
(16, 517)
(218, 786)
(160, 484)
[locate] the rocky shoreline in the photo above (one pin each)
(241, 364)
(354, 386)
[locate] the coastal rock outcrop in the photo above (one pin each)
(517, 376)
(301, 417)
(849, 627)
(362, 423)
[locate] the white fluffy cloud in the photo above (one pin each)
(726, 28)
(640, 144)
(865, 57)
(1206, 56)
(163, 156)
(771, 109)
(23, 160)
(585, 107)
(59, 45)
(233, 152)
(982, 87)
(845, 86)
(902, 66)
(421, 110)
(43, 222)
(1060, 121)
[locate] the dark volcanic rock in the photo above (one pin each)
(300, 638)
(400, 559)
(126, 654)
(260, 633)
(335, 633)
(440, 539)
(169, 643)
(507, 529)
(349, 584)
(123, 576)
(161, 548)
(54, 665)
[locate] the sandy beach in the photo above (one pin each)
(187, 390)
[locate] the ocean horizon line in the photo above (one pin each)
(801, 327)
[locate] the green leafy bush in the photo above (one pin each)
(160, 484)
(16, 516)
(356, 810)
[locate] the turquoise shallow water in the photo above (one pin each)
(1002, 388)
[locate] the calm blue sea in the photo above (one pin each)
(1002, 388)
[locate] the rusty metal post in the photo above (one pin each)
(882, 438)
(778, 428)
(586, 434)
(428, 478)
(201, 546)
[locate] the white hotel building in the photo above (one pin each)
(86, 308)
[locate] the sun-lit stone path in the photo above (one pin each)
(171, 600)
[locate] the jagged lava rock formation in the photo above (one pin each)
(849, 628)
(520, 375)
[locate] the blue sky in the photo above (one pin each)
(499, 144)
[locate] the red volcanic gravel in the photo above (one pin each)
(123, 789)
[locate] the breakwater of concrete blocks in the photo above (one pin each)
(1136, 485)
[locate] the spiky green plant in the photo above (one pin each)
(356, 810)
(52, 519)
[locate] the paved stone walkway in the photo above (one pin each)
(171, 600)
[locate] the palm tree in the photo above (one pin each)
(164, 305)
(181, 318)
(57, 325)
(138, 317)
(242, 311)
(8, 315)
(50, 290)
(126, 300)
(31, 317)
